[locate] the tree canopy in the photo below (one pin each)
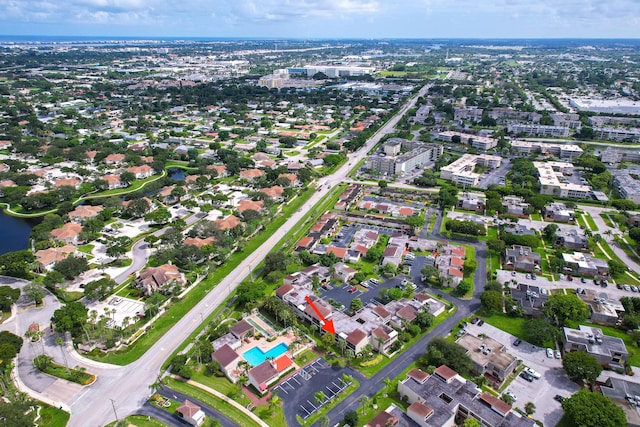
(443, 352)
(589, 409)
(581, 366)
(566, 307)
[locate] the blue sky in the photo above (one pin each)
(324, 18)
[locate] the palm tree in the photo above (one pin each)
(365, 401)
(60, 342)
(389, 383)
(274, 401)
(346, 379)
(324, 421)
(350, 353)
(320, 397)
(342, 344)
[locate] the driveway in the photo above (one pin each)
(541, 392)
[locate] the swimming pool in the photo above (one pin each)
(255, 356)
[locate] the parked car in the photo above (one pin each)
(559, 398)
(634, 288)
(474, 320)
(533, 276)
(583, 280)
(549, 353)
(557, 354)
(517, 342)
(513, 273)
(481, 322)
(618, 285)
(352, 289)
(626, 288)
(374, 281)
(526, 376)
(533, 373)
(528, 276)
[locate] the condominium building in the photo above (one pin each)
(550, 174)
(462, 172)
(390, 164)
(479, 142)
(538, 130)
(626, 183)
(564, 151)
(616, 155)
(617, 134)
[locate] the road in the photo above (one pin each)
(128, 385)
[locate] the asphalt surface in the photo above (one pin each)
(174, 420)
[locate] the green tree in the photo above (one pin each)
(17, 413)
(356, 304)
(71, 266)
(550, 231)
(470, 422)
(35, 292)
(8, 296)
(492, 301)
(581, 366)
(565, 307)
(17, 264)
(443, 352)
(158, 216)
(616, 268)
(589, 409)
(70, 318)
(530, 408)
(538, 331)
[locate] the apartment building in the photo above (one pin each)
(462, 172)
(538, 130)
(617, 134)
(626, 183)
(479, 142)
(394, 163)
(552, 182)
(608, 350)
(564, 151)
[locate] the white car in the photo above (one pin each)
(550, 353)
(534, 374)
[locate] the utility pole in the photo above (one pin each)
(114, 409)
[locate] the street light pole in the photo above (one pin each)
(114, 409)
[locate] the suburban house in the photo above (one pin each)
(522, 258)
(571, 239)
(191, 413)
(604, 310)
(154, 279)
(228, 223)
(114, 159)
(68, 233)
(472, 202)
(343, 271)
(558, 212)
(252, 175)
(220, 170)
(68, 182)
(250, 205)
(228, 360)
(610, 351)
(392, 255)
(274, 192)
(515, 205)
(585, 264)
(83, 212)
(113, 181)
(489, 358)
(199, 242)
(47, 258)
(444, 398)
(141, 172)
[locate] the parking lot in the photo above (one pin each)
(126, 307)
(541, 392)
(610, 291)
(342, 295)
(300, 389)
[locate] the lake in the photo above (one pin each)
(14, 232)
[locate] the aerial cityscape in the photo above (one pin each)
(340, 213)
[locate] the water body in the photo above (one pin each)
(14, 232)
(176, 173)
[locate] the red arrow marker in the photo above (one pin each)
(327, 324)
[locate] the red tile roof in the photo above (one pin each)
(283, 363)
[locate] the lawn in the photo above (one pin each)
(86, 248)
(536, 217)
(511, 325)
(226, 408)
(141, 421)
(590, 222)
(305, 357)
(74, 375)
(52, 417)
(221, 384)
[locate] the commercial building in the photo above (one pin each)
(462, 172)
(553, 183)
(331, 71)
(610, 351)
(608, 106)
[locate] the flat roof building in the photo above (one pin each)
(462, 172)
(550, 174)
